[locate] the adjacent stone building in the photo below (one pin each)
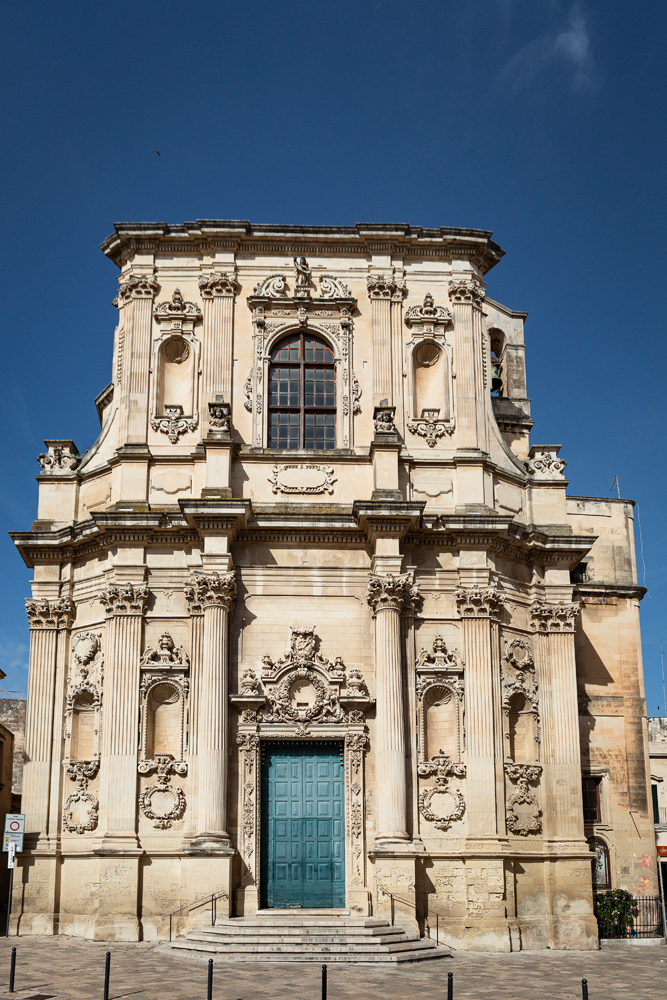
(312, 623)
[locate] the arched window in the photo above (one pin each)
(302, 394)
(601, 869)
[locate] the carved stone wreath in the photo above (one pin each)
(324, 709)
(80, 795)
(441, 767)
(165, 765)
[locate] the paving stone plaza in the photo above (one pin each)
(64, 968)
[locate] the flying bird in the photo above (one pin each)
(158, 152)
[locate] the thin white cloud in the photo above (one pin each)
(13, 655)
(567, 48)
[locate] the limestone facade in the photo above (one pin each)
(313, 516)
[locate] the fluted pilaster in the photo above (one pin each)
(135, 297)
(48, 619)
(386, 294)
(478, 608)
(218, 291)
(215, 594)
(196, 657)
(387, 595)
(554, 626)
(467, 297)
(124, 608)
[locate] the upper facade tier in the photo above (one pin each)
(308, 364)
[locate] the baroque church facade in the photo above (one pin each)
(313, 625)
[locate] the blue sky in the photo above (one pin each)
(543, 120)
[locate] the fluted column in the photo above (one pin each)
(124, 607)
(387, 595)
(478, 607)
(471, 363)
(216, 595)
(135, 297)
(554, 627)
(48, 620)
(217, 291)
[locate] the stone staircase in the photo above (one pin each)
(307, 936)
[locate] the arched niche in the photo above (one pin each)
(83, 726)
(441, 723)
(175, 381)
(164, 720)
(430, 379)
(520, 733)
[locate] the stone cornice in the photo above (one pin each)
(311, 523)
(210, 235)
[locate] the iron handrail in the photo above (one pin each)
(189, 907)
(408, 902)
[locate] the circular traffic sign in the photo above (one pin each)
(14, 826)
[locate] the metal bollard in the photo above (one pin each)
(584, 989)
(450, 986)
(12, 971)
(209, 992)
(324, 982)
(107, 973)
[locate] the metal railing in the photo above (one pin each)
(189, 907)
(643, 919)
(427, 925)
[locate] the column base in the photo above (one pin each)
(211, 843)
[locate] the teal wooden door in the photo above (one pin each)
(303, 825)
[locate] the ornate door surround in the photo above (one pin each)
(298, 697)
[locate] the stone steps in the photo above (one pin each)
(292, 938)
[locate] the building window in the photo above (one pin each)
(656, 803)
(601, 870)
(591, 795)
(302, 394)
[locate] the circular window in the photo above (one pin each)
(427, 355)
(176, 350)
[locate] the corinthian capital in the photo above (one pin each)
(210, 592)
(129, 599)
(382, 286)
(553, 617)
(392, 593)
(50, 614)
(212, 285)
(466, 292)
(479, 602)
(139, 286)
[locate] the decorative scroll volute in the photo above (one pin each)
(50, 614)
(392, 593)
(560, 617)
(479, 602)
(211, 591)
(130, 599)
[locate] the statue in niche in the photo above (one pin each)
(303, 273)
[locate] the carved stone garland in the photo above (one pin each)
(86, 677)
(88, 806)
(276, 311)
(524, 815)
(299, 696)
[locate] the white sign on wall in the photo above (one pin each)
(14, 829)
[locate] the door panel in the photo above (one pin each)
(303, 829)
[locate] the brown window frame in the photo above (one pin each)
(596, 781)
(301, 408)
